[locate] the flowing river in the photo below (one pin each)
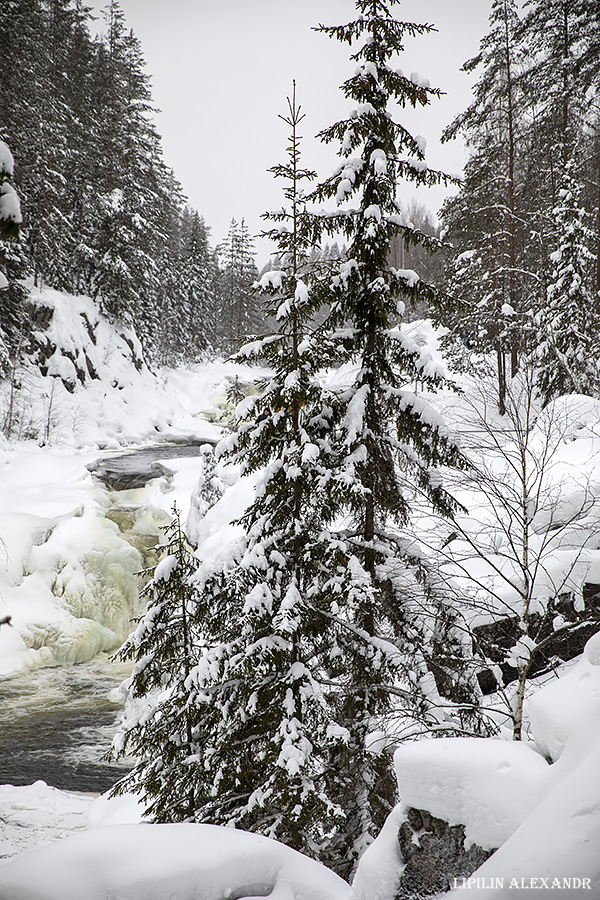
(56, 724)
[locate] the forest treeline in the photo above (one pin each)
(524, 275)
(103, 214)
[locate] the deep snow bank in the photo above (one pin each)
(38, 814)
(160, 862)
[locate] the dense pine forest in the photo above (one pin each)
(103, 214)
(405, 561)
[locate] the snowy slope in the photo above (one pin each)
(96, 389)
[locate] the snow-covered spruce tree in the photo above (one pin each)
(557, 36)
(130, 235)
(208, 491)
(568, 351)
(199, 274)
(588, 77)
(476, 309)
(187, 314)
(255, 715)
(305, 668)
(382, 420)
(263, 723)
(560, 42)
(389, 443)
(158, 726)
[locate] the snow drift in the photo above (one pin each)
(161, 862)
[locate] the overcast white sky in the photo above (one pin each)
(221, 71)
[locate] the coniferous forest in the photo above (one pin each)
(525, 223)
(103, 214)
(393, 578)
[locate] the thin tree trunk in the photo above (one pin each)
(519, 702)
(501, 359)
(598, 236)
(512, 290)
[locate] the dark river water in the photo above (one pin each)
(135, 468)
(57, 723)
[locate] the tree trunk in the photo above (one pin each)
(598, 236)
(512, 289)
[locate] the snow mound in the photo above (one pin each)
(125, 809)
(381, 865)
(565, 714)
(161, 862)
(544, 818)
(489, 786)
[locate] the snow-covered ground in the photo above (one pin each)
(68, 582)
(164, 862)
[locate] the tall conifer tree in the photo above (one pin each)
(383, 422)
(199, 275)
(483, 219)
(389, 444)
(323, 621)
(159, 731)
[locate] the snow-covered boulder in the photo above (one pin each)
(544, 818)
(489, 786)
(556, 849)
